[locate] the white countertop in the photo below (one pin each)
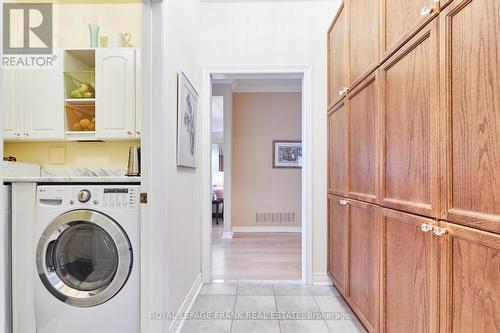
(73, 179)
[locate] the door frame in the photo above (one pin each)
(307, 167)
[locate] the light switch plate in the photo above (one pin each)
(57, 155)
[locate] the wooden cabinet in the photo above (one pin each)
(115, 93)
(364, 237)
(470, 79)
(401, 19)
(470, 280)
(409, 130)
(415, 143)
(337, 58)
(337, 150)
(363, 38)
(363, 157)
(410, 253)
(33, 102)
(337, 238)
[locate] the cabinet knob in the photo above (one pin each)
(129, 132)
(26, 134)
(425, 10)
(343, 202)
(17, 134)
(341, 92)
(139, 132)
(426, 227)
(439, 231)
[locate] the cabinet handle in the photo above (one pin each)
(343, 202)
(343, 91)
(425, 10)
(439, 231)
(426, 227)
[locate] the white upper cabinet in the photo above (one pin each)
(33, 104)
(138, 98)
(115, 94)
(13, 124)
(44, 102)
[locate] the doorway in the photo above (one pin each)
(260, 243)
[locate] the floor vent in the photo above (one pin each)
(275, 218)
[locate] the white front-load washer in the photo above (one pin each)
(87, 258)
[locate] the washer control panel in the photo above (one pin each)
(109, 196)
(119, 197)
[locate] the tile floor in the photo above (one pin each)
(270, 308)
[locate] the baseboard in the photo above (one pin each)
(267, 229)
(321, 279)
(227, 235)
(178, 322)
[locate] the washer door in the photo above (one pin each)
(84, 258)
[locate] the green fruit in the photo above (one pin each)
(76, 94)
(83, 88)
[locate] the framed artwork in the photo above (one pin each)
(287, 154)
(187, 123)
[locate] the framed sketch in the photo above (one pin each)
(287, 154)
(187, 123)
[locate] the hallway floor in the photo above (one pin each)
(256, 256)
(268, 308)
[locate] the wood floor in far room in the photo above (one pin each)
(256, 256)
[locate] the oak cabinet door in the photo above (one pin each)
(401, 19)
(363, 32)
(410, 110)
(364, 236)
(410, 273)
(363, 166)
(337, 57)
(337, 242)
(470, 40)
(470, 284)
(337, 150)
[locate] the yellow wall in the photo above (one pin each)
(75, 154)
(71, 20)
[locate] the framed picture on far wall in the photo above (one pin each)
(287, 154)
(187, 122)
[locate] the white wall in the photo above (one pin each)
(280, 33)
(177, 247)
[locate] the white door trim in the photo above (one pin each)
(307, 179)
(154, 293)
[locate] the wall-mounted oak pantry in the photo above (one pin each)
(414, 159)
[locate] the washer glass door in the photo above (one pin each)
(84, 258)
